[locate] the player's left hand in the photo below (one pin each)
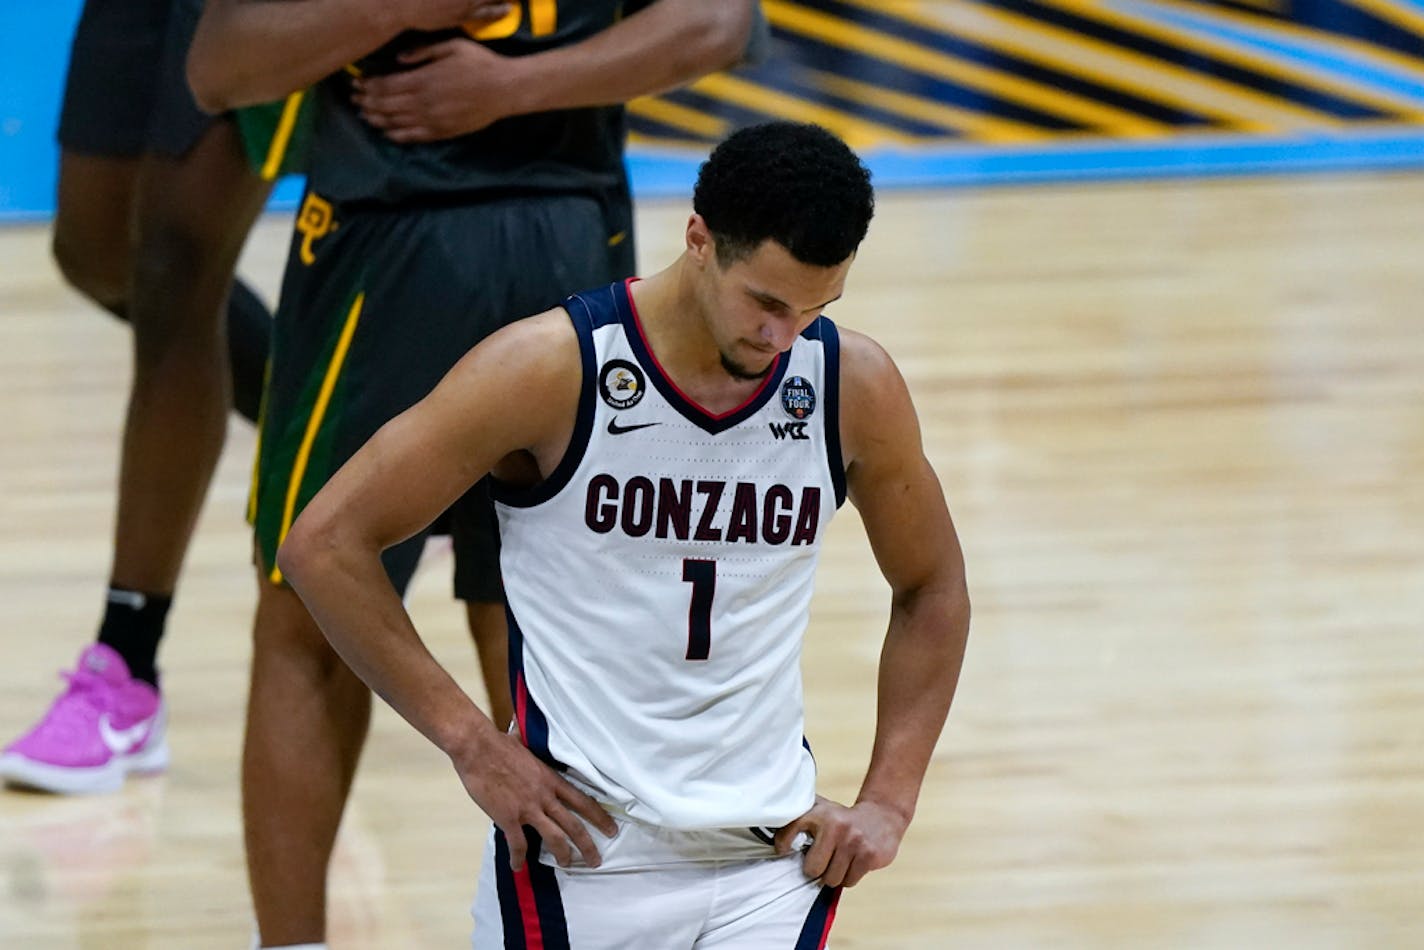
(452, 88)
(848, 843)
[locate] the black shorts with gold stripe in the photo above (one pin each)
(377, 305)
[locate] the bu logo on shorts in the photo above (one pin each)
(313, 223)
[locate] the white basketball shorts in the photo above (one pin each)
(655, 890)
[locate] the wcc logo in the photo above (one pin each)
(798, 398)
(795, 431)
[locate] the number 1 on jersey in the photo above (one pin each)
(702, 575)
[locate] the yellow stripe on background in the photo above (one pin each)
(679, 116)
(983, 128)
(1378, 55)
(857, 133)
(829, 29)
(282, 137)
(1336, 84)
(1401, 15)
(299, 467)
(1113, 66)
(693, 147)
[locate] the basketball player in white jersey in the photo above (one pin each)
(669, 453)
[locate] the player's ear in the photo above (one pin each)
(701, 246)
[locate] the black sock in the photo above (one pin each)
(249, 337)
(132, 627)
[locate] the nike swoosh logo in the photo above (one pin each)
(123, 741)
(615, 429)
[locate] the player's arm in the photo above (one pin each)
(250, 51)
(664, 45)
(902, 505)
(458, 87)
(413, 469)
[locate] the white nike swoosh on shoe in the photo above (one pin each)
(124, 741)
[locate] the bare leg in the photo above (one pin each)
(193, 215)
(93, 226)
(94, 235)
(307, 716)
(153, 241)
(490, 632)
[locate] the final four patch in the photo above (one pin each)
(798, 397)
(621, 384)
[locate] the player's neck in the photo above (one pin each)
(677, 334)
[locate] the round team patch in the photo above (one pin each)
(621, 384)
(798, 397)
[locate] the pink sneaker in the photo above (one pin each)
(105, 725)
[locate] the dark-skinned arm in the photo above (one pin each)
(251, 51)
(666, 44)
(455, 87)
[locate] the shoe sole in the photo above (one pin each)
(17, 770)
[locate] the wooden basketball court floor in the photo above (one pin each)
(1181, 426)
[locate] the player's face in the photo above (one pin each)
(761, 303)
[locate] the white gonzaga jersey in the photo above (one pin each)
(659, 581)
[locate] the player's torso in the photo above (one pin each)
(576, 150)
(660, 595)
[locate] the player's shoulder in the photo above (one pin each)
(876, 411)
(537, 346)
(552, 328)
(866, 366)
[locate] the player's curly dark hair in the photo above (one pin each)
(795, 184)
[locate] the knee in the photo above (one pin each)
(98, 271)
(285, 637)
(177, 295)
(283, 628)
(169, 257)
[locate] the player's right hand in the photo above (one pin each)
(515, 789)
(444, 14)
(846, 843)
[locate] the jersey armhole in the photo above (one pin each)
(541, 492)
(831, 350)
